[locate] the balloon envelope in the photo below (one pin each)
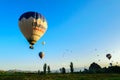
(110, 64)
(41, 55)
(108, 56)
(43, 43)
(33, 26)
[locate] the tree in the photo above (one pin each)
(71, 67)
(94, 68)
(85, 70)
(44, 68)
(60, 70)
(38, 71)
(48, 68)
(63, 70)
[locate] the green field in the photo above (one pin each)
(29, 76)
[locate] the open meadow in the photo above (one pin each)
(57, 76)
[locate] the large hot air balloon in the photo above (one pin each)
(33, 26)
(41, 55)
(108, 56)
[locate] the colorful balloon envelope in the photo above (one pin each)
(33, 26)
(41, 55)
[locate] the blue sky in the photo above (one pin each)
(78, 31)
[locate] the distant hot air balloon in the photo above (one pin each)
(33, 26)
(41, 55)
(116, 62)
(97, 55)
(110, 64)
(43, 43)
(108, 56)
(99, 60)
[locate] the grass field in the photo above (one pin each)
(28, 76)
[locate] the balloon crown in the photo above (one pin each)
(35, 15)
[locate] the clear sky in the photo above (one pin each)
(78, 31)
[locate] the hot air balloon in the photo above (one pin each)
(116, 62)
(108, 56)
(33, 26)
(97, 55)
(41, 55)
(110, 64)
(99, 60)
(43, 43)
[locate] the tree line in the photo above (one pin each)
(93, 68)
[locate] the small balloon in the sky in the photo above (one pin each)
(110, 64)
(116, 62)
(108, 56)
(41, 55)
(67, 49)
(43, 43)
(95, 49)
(99, 60)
